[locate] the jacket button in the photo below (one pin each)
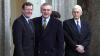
(45, 52)
(39, 44)
(39, 52)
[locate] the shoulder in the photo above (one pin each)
(56, 21)
(84, 21)
(36, 19)
(68, 21)
(18, 21)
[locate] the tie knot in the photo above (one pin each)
(29, 21)
(44, 23)
(77, 22)
(44, 20)
(78, 26)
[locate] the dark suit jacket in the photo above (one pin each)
(73, 37)
(23, 38)
(49, 42)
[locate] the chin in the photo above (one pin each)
(29, 16)
(77, 17)
(46, 16)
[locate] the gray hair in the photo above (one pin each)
(77, 7)
(45, 4)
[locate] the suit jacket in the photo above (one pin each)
(23, 38)
(49, 41)
(73, 37)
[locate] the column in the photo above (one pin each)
(1, 28)
(8, 35)
(94, 11)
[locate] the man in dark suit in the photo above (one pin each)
(49, 34)
(23, 32)
(77, 34)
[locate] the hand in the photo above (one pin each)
(80, 49)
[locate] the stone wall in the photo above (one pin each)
(1, 29)
(94, 8)
(64, 9)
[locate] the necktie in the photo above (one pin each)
(31, 25)
(44, 25)
(78, 26)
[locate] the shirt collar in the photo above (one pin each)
(78, 21)
(47, 19)
(27, 18)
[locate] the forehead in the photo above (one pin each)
(76, 10)
(28, 7)
(46, 7)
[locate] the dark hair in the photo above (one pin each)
(55, 14)
(26, 4)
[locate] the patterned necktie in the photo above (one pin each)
(78, 26)
(44, 25)
(31, 25)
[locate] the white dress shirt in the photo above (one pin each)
(27, 18)
(47, 20)
(79, 22)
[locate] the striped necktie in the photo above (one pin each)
(31, 25)
(78, 26)
(44, 25)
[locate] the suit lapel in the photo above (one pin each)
(26, 24)
(40, 24)
(82, 26)
(74, 25)
(49, 25)
(39, 27)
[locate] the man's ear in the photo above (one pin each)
(40, 10)
(81, 12)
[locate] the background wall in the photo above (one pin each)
(11, 9)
